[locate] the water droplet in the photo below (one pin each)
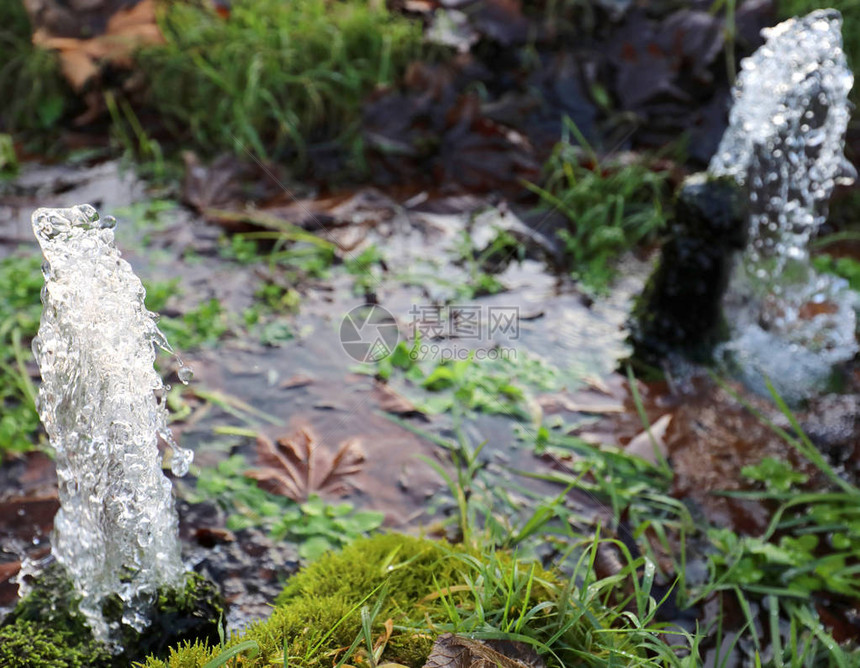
(185, 375)
(180, 462)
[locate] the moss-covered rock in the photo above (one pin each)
(680, 310)
(46, 629)
(319, 611)
(424, 588)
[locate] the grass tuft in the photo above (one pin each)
(610, 207)
(273, 76)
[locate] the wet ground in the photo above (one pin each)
(252, 382)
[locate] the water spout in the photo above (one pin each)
(102, 404)
(784, 147)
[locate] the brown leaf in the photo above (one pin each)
(642, 445)
(297, 466)
(296, 381)
(127, 30)
(391, 402)
(450, 651)
(557, 402)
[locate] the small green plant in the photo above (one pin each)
(366, 267)
(777, 475)
(8, 157)
(240, 248)
(315, 525)
(501, 385)
(611, 207)
(20, 308)
(482, 266)
(295, 255)
(278, 298)
(845, 267)
(469, 384)
(318, 527)
(203, 325)
(138, 147)
(158, 293)
(147, 214)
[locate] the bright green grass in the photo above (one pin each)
(34, 94)
(275, 75)
(20, 283)
(610, 207)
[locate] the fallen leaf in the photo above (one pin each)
(9, 570)
(558, 401)
(298, 380)
(642, 445)
(126, 31)
(391, 402)
(450, 651)
(298, 466)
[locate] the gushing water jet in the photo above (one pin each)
(737, 268)
(102, 404)
(784, 147)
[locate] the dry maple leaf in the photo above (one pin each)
(297, 466)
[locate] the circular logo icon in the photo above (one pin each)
(368, 333)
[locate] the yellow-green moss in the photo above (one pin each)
(425, 588)
(319, 611)
(37, 645)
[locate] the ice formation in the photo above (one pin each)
(101, 402)
(784, 146)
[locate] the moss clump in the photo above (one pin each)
(319, 611)
(46, 629)
(36, 645)
(425, 588)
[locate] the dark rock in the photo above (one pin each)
(680, 310)
(49, 615)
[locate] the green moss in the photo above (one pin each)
(426, 588)
(53, 632)
(34, 645)
(319, 610)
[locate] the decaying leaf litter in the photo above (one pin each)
(444, 149)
